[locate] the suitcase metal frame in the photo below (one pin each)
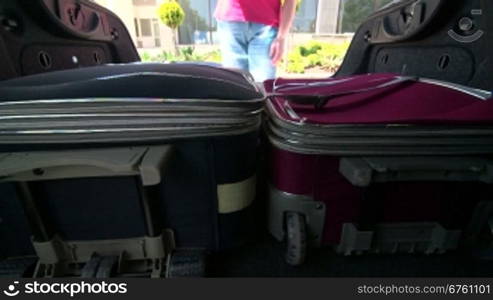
(364, 171)
(147, 254)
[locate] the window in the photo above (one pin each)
(148, 33)
(306, 17)
(137, 30)
(157, 33)
(354, 12)
(145, 27)
(199, 25)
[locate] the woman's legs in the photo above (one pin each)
(247, 46)
(259, 45)
(234, 44)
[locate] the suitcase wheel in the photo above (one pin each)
(186, 263)
(295, 238)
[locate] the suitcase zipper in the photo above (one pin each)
(292, 114)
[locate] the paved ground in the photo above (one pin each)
(265, 259)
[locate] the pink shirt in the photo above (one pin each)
(258, 11)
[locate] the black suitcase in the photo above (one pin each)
(108, 158)
(43, 36)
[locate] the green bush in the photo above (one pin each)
(186, 54)
(213, 56)
(327, 56)
(171, 14)
(298, 3)
(314, 54)
(146, 57)
(310, 48)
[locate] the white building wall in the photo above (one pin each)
(128, 12)
(328, 16)
(124, 9)
(151, 12)
(327, 22)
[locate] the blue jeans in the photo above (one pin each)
(246, 45)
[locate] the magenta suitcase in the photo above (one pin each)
(378, 163)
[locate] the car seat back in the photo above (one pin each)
(38, 36)
(445, 40)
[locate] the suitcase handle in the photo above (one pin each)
(320, 100)
(149, 163)
(363, 171)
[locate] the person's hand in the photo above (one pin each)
(277, 50)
